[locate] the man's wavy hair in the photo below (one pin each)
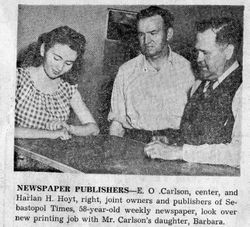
(166, 15)
(227, 30)
(30, 56)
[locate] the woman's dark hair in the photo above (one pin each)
(30, 56)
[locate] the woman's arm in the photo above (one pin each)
(89, 126)
(30, 133)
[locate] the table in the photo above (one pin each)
(110, 155)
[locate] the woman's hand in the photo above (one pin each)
(95, 129)
(56, 125)
(160, 150)
(162, 139)
(60, 128)
(83, 130)
(63, 134)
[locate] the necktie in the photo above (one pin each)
(209, 90)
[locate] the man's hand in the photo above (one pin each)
(116, 129)
(160, 150)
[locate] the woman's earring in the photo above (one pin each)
(42, 50)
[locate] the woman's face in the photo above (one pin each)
(58, 60)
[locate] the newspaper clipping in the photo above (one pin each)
(124, 113)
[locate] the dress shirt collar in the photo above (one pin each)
(146, 66)
(234, 66)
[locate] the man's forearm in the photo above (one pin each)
(226, 154)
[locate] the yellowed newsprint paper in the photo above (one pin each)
(108, 180)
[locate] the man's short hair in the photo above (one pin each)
(227, 30)
(166, 15)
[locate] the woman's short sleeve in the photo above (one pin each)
(69, 89)
(22, 77)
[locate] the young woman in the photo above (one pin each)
(47, 89)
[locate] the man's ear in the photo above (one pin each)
(229, 51)
(170, 34)
(42, 51)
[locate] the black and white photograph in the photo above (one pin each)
(124, 113)
(128, 89)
